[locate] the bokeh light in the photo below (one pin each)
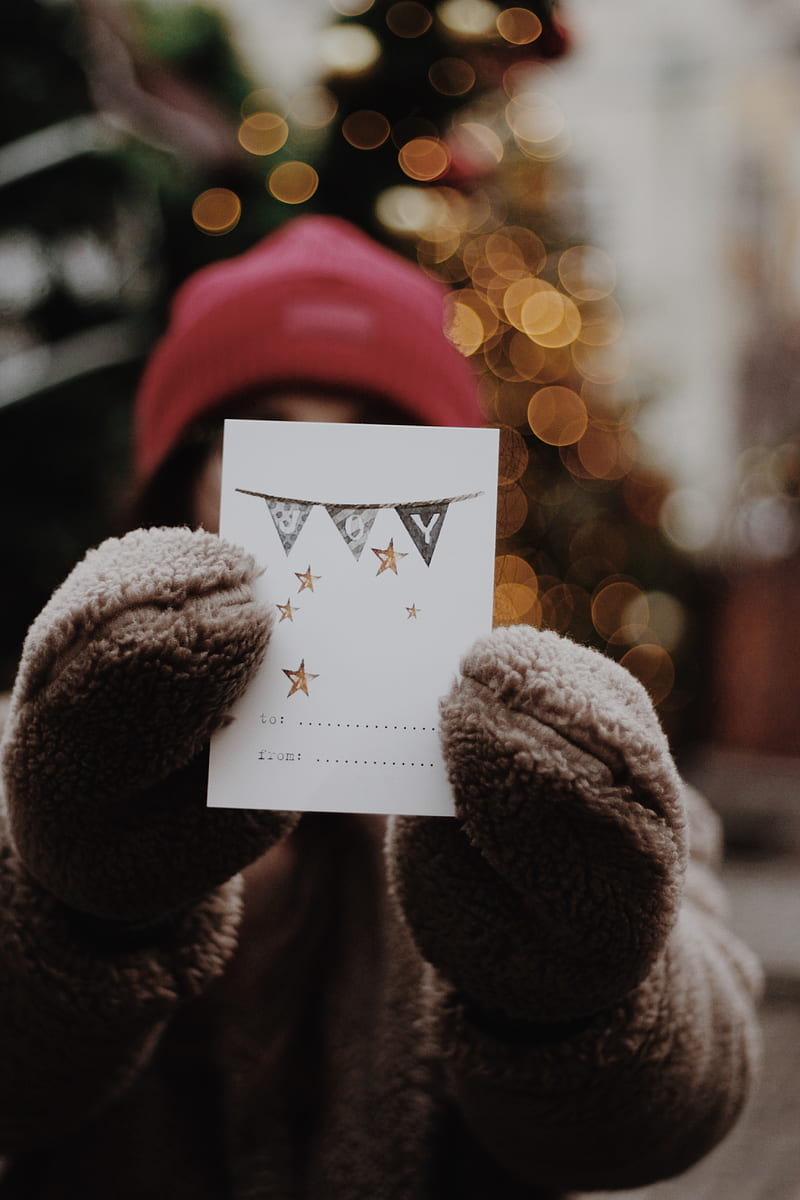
(424, 158)
(348, 49)
(452, 76)
(668, 619)
(476, 145)
(515, 591)
(293, 182)
(408, 19)
(216, 211)
(514, 456)
(601, 364)
(601, 322)
(407, 209)
(470, 320)
(263, 133)
(366, 129)
(689, 518)
(313, 107)
(519, 26)
(351, 8)
(587, 272)
(512, 510)
(468, 19)
(557, 415)
(620, 612)
(653, 667)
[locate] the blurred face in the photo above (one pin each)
(285, 406)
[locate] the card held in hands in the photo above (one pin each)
(377, 543)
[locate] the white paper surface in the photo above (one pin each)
(373, 608)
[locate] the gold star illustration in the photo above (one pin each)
(413, 612)
(388, 558)
(286, 611)
(306, 579)
(299, 678)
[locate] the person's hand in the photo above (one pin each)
(554, 889)
(136, 659)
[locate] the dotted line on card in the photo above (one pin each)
(353, 725)
(367, 762)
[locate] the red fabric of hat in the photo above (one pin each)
(316, 303)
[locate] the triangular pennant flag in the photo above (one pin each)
(354, 524)
(289, 517)
(424, 523)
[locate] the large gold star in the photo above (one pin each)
(286, 611)
(299, 679)
(388, 558)
(306, 579)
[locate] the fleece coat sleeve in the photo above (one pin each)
(598, 1018)
(115, 897)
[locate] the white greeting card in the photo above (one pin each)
(377, 543)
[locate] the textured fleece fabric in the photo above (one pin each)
(536, 997)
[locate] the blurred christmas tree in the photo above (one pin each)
(430, 127)
(446, 143)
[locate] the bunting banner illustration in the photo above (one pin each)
(289, 517)
(424, 524)
(354, 524)
(422, 519)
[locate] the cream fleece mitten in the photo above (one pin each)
(554, 889)
(135, 660)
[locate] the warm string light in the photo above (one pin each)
(539, 319)
(547, 335)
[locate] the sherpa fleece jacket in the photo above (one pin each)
(536, 997)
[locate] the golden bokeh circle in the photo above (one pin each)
(514, 456)
(519, 26)
(263, 133)
(653, 667)
(408, 19)
(424, 158)
(605, 453)
(515, 603)
(512, 568)
(216, 211)
(463, 325)
(293, 182)
(517, 295)
(451, 76)
(512, 510)
(557, 415)
(526, 356)
(366, 129)
(587, 272)
(313, 106)
(620, 612)
(551, 319)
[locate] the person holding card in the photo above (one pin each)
(534, 997)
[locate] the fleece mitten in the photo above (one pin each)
(555, 888)
(133, 663)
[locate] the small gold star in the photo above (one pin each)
(412, 612)
(306, 579)
(299, 679)
(388, 558)
(286, 611)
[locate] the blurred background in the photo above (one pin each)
(612, 191)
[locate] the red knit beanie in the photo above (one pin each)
(317, 302)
